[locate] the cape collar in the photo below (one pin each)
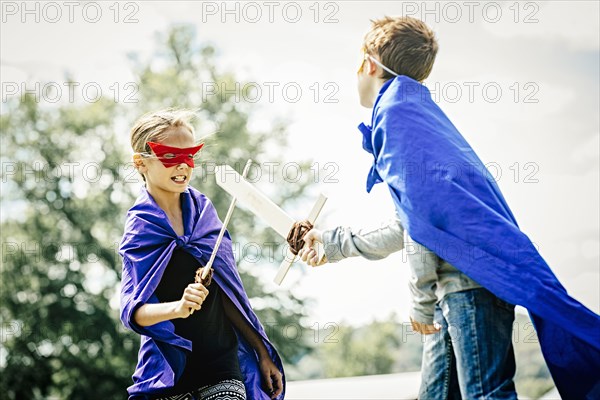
(373, 177)
(185, 200)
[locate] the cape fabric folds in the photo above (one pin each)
(146, 248)
(448, 202)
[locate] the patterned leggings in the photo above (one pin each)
(230, 389)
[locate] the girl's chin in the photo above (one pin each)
(180, 184)
(180, 187)
(172, 187)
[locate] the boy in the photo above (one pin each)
(462, 235)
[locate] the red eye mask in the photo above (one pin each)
(171, 156)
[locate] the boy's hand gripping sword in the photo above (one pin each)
(259, 204)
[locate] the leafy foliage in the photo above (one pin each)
(67, 186)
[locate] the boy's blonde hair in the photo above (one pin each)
(406, 45)
(152, 127)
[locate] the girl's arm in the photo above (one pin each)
(153, 313)
(271, 375)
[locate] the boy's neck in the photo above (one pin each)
(376, 87)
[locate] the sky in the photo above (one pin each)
(520, 80)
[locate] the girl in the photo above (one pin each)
(220, 350)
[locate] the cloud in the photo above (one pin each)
(573, 23)
(586, 155)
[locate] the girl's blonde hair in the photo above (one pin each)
(152, 127)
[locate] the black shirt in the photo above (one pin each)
(214, 342)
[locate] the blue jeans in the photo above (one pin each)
(472, 356)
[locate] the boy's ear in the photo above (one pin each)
(371, 67)
(138, 163)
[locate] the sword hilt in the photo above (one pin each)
(205, 280)
(295, 238)
(290, 256)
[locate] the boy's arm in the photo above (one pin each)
(423, 300)
(372, 244)
(376, 244)
(271, 375)
(422, 286)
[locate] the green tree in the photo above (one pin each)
(369, 350)
(189, 78)
(66, 188)
(59, 264)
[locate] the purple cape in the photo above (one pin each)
(448, 202)
(146, 248)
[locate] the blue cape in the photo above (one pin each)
(448, 202)
(146, 248)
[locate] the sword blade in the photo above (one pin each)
(253, 199)
(208, 266)
(225, 223)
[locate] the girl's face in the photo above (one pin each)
(174, 178)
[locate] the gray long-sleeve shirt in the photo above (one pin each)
(431, 277)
